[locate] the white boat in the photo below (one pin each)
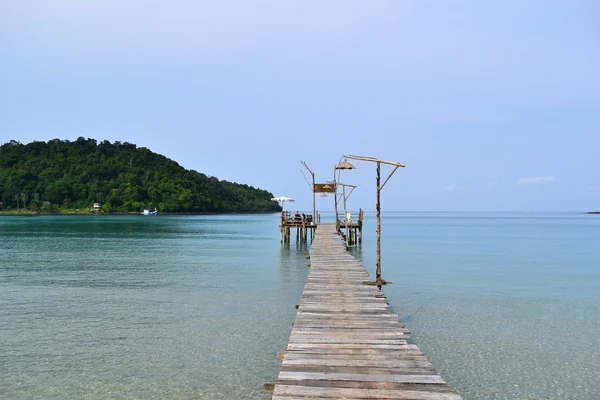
(149, 212)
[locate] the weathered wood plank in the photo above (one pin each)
(398, 340)
(351, 347)
(347, 393)
(345, 362)
(320, 376)
(361, 370)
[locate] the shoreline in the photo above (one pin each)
(68, 213)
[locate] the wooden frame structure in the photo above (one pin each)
(348, 225)
(301, 222)
(378, 281)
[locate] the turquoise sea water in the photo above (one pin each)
(506, 305)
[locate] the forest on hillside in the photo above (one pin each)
(62, 174)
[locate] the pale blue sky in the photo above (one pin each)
(493, 105)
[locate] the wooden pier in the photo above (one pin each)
(349, 226)
(303, 223)
(346, 342)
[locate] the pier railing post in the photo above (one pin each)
(378, 208)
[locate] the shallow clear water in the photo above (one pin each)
(506, 306)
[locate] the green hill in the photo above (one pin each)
(61, 174)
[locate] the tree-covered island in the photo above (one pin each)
(60, 175)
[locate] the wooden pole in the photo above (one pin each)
(314, 199)
(312, 174)
(281, 235)
(337, 225)
(378, 208)
(344, 193)
(360, 223)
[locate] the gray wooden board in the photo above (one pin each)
(355, 347)
(351, 393)
(297, 356)
(360, 370)
(285, 375)
(347, 343)
(366, 350)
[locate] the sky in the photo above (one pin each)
(492, 105)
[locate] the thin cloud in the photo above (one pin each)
(536, 180)
(450, 188)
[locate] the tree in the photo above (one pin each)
(36, 200)
(79, 173)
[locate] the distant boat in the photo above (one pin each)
(149, 212)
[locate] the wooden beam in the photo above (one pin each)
(373, 159)
(388, 178)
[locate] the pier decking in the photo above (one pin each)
(346, 342)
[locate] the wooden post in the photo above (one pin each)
(360, 224)
(313, 185)
(378, 208)
(345, 209)
(314, 199)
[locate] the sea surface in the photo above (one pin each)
(505, 305)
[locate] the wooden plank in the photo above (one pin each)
(346, 393)
(361, 370)
(319, 376)
(339, 346)
(398, 340)
(353, 355)
(346, 362)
